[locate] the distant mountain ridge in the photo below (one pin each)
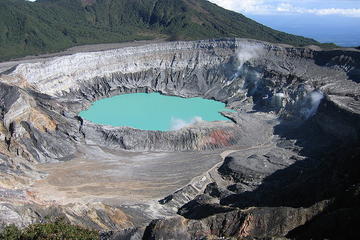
(53, 25)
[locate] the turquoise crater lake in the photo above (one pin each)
(153, 111)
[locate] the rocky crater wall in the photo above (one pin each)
(245, 74)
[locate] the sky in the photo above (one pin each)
(349, 8)
(335, 21)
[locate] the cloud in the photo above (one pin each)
(289, 8)
(177, 123)
(336, 7)
(249, 6)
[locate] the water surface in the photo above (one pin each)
(153, 111)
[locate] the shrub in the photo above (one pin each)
(57, 230)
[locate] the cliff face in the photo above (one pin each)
(290, 104)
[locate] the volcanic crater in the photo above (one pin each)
(279, 167)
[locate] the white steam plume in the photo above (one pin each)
(177, 123)
(311, 106)
(246, 53)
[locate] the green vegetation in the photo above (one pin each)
(58, 230)
(52, 25)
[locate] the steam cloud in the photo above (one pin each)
(246, 53)
(312, 103)
(250, 76)
(177, 123)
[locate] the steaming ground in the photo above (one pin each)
(311, 104)
(178, 123)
